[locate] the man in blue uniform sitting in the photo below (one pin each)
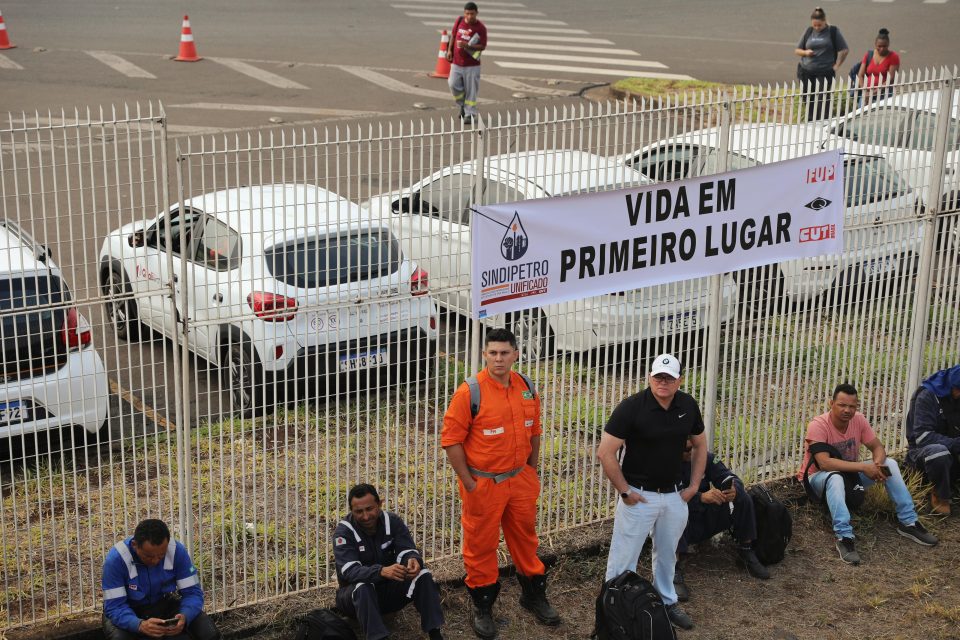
(151, 589)
(379, 568)
(933, 434)
(711, 513)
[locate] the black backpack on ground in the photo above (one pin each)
(629, 608)
(855, 491)
(323, 624)
(774, 525)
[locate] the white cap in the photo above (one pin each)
(665, 363)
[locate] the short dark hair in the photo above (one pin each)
(500, 335)
(818, 14)
(360, 490)
(846, 388)
(471, 6)
(151, 530)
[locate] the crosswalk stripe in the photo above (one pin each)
(486, 11)
(515, 85)
(395, 85)
(500, 35)
(259, 74)
(934, 1)
(493, 21)
(519, 28)
(121, 65)
(459, 3)
(564, 58)
(222, 106)
(498, 45)
(630, 73)
(7, 63)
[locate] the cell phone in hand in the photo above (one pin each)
(885, 470)
(726, 484)
(171, 622)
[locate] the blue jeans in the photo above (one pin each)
(665, 516)
(837, 497)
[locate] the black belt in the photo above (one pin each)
(674, 489)
(496, 477)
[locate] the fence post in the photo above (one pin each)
(716, 296)
(921, 302)
(180, 365)
(479, 155)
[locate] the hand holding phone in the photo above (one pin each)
(885, 470)
(171, 622)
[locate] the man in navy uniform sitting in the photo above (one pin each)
(379, 568)
(711, 513)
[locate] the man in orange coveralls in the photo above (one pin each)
(494, 447)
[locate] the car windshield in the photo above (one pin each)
(31, 335)
(32, 291)
(327, 261)
(871, 180)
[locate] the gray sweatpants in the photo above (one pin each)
(465, 85)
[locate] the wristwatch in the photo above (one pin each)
(624, 494)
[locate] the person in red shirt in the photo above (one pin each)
(491, 436)
(878, 69)
(463, 52)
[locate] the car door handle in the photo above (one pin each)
(218, 297)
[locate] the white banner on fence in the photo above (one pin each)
(538, 252)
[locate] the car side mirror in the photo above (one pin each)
(44, 253)
(137, 238)
(403, 205)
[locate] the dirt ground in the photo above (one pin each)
(900, 590)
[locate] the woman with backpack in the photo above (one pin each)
(878, 69)
(822, 51)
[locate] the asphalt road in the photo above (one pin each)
(294, 61)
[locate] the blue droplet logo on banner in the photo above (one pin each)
(515, 242)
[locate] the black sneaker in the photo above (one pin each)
(467, 119)
(750, 560)
(848, 552)
(917, 533)
(679, 617)
(680, 585)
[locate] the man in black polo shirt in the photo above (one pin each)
(654, 425)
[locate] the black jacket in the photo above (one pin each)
(360, 556)
(714, 474)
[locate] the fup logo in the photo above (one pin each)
(826, 173)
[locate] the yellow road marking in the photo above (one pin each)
(141, 406)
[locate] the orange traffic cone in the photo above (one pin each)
(188, 50)
(442, 70)
(4, 39)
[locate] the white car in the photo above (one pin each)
(902, 129)
(432, 220)
(875, 194)
(284, 283)
(53, 378)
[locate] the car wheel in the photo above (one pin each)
(244, 380)
(758, 285)
(534, 336)
(119, 304)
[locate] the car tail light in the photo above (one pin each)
(272, 307)
(419, 282)
(76, 330)
(433, 322)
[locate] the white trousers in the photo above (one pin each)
(663, 517)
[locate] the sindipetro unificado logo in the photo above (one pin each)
(515, 240)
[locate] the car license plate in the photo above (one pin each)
(363, 360)
(677, 322)
(880, 265)
(13, 412)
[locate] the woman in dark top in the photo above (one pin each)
(822, 50)
(878, 69)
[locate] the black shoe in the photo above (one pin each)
(483, 599)
(848, 552)
(461, 112)
(533, 597)
(917, 533)
(678, 617)
(750, 560)
(680, 585)
(467, 119)
(434, 634)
